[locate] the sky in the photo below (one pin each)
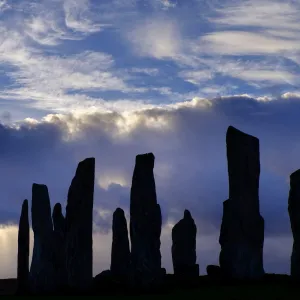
(111, 79)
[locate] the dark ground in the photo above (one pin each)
(273, 286)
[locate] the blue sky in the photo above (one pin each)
(112, 79)
(62, 55)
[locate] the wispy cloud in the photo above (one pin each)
(79, 16)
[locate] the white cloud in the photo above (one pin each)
(109, 178)
(164, 4)
(4, 5)
(268, 14)
(48, 78)
(244, 43)
(78, 16)
(147, 71)
(159, 38)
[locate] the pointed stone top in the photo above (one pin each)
(25, 205)
(57, 210)
(234, 132)
(119, 211)
(295, 177)
(187, 214)
(145, 159)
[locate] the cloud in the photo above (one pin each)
(4, 5)
(78, 16)
(48, 79)
(262, 14)
(188, 140)
(147, 71)
(159, 38)
(243, 42)
(164, 4)
(49, 23)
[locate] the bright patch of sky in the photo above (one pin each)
(59, 56)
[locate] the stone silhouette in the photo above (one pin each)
(23, 250)
(214, 271)
(42, 272)
(79, 226)
(145, 225)
(120, 252)
(294, 213)
(184, 247)
(242, 229)
(59, 226)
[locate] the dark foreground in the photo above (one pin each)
(273, 286)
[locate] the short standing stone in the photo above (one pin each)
(59, 245)
(23, 250)
(294, 213)
(145, 225)
(184, 247)
(79, 226)
(42, 271)
(120, 253)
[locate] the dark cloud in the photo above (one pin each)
(190, 168)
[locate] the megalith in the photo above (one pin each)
(242, 229)
(59, 232)
(184, 247)
(145, 225)
(294, 213)
(23, 250)
(79, 226)
(42, 273)
(120, 252)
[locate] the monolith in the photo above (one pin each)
(23, 250)
(120, 253)
(79, 226)
(242, 229)
(42, 272)
(184, 247)
(294, 213)
(59, 245)
(145, 225)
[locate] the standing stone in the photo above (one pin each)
(294, 212)
(59, 225)
(184, 247)
(79, 226)
(120, 253)
(242, 229)
(145, 225)
(23, 250)
(42, 271)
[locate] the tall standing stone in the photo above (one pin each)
(59, 226)
(184, 247)
(294, 212)
(242, 229)
(145, 224)
(79, 226)
(23, 250)
(42, 271)
(120, 253)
